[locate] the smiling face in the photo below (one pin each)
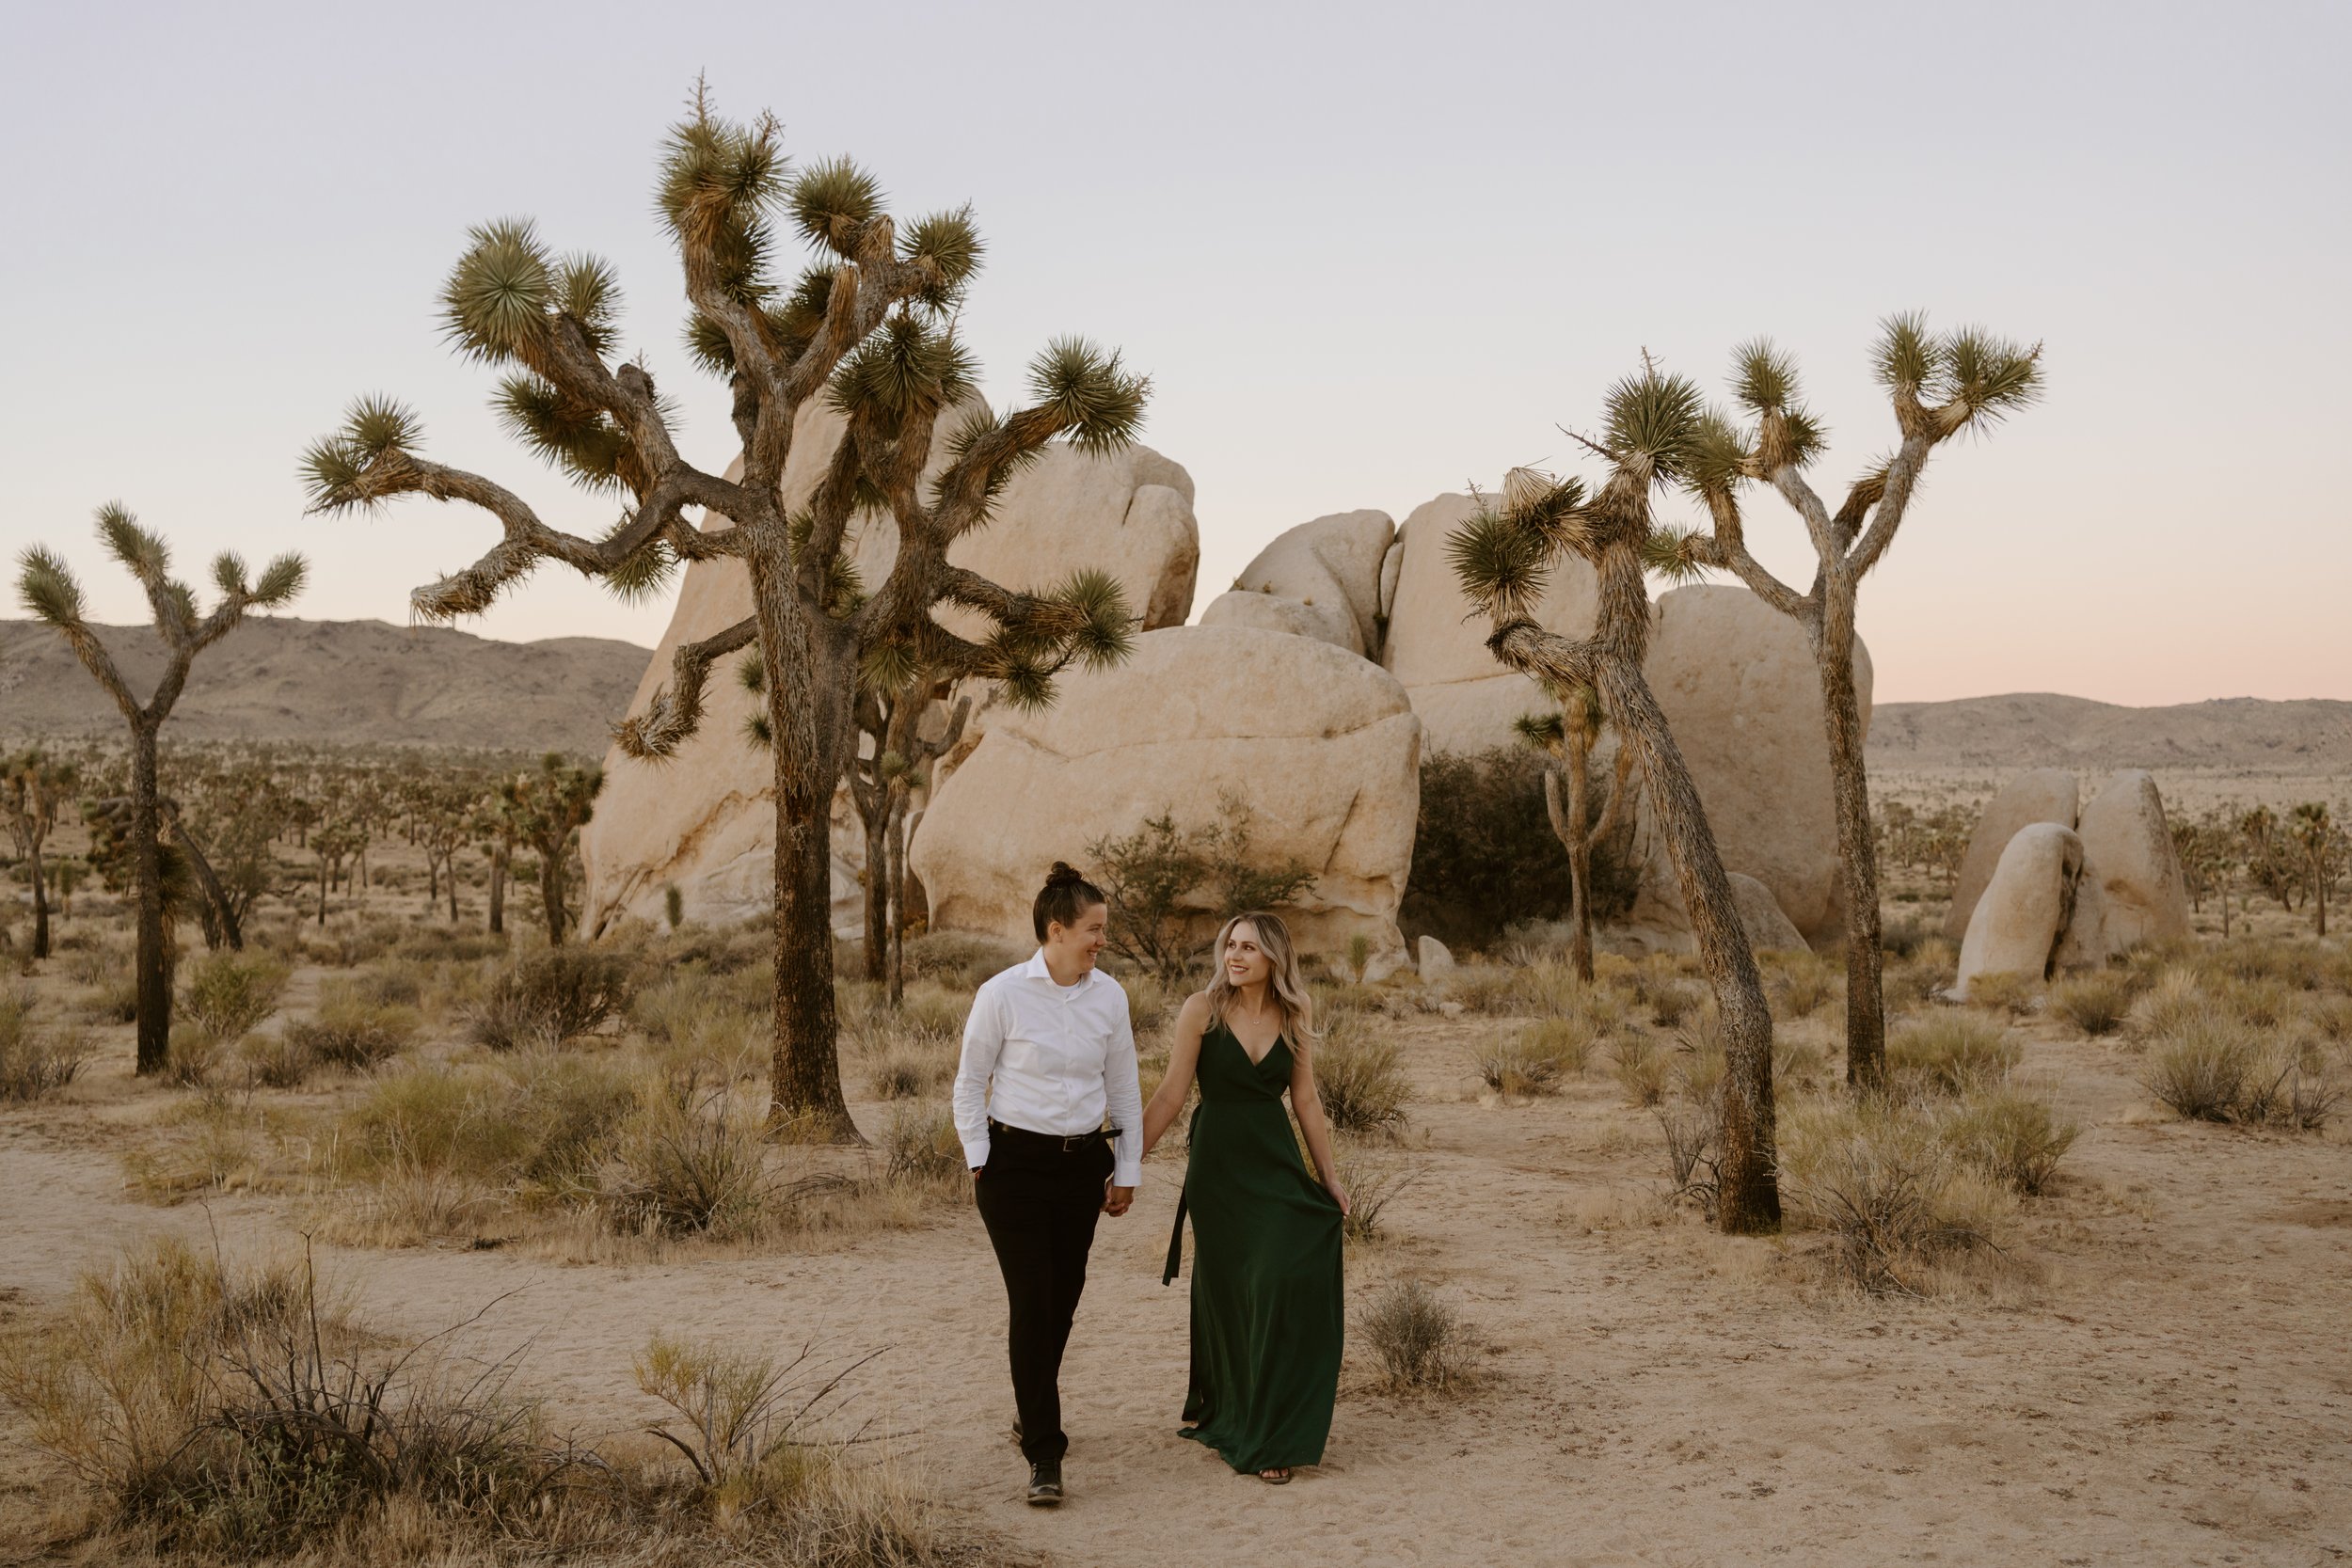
(1079, 944)
(1245, 957)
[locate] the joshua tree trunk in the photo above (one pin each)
(152, 974)
(898, 897)
(1611, 662)
(878, 917)
(1857, 851)
(1578, 835)
(498, 890)
(40, 906)
(811, 730)
(220, 914)
(453, 890)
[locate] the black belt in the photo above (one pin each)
(1069, 1144)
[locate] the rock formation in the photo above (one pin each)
(1769, 928)
(1738, 685)
(2132, 892)
(1320, 579)
(2044, 795)
(705, 822)
(1466, 699)
(2025, 907)
(1322, 745)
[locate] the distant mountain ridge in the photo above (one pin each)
(281, 678)
(2039, 729)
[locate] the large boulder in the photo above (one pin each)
(1322, 746)
(2025, 906)
(1741, 692)
(703, 821)
(1437, 649)
(2132, 893)
(1319, 579)
(2044, 795)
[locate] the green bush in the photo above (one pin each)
(1486, 858)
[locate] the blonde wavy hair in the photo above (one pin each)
(1286, 985)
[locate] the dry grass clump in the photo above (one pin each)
(34, 1065)
(1951, 1054)
(1888, 1191)
(1489, 989)
(350, 1029)
(1373, 1175)
(959, 960)
(921, 1149)
(1919, 976)
(2095, 1004)
(2010, 1136)
(1361, 1077)
(1803, 982)
(1420, 1338)
(226, 995)
(1642, 1070)
(1540, 1057)
(687, 1161)
(209, 1413)
(554, 996)
(2211, 1066)
(2016, 995)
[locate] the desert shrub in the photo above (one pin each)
(2263, 1002)
(2330, 1017)
(1485, 857)
(116, 999)
(232, 1411)
(1880, 1182)
(1169, 885)
(98, 964)
(1373, 1176)
(350, 1031)
(440, 944)
(1539, 1057)
(2291, 1089)
(1951, 1052)
(1917, 978)
(1698, 1065)
(2200, 1065)
(1802, 982)
(227, 994)
(903, 1078)
(1662, 990)
(397, 983)
(195, 1053)
(1693, 1132)
(2097, 1003)
(1419, 1336)
(2297, 964)
(1485, 989)
(1903, 936)
(32, 1065)
(1361, 1077)
(1547, 986)
(921, 1146)
(552, 996)
(686, 1162)
(2011, 1137)
(279, 1061)
(1641, 1069)
(2011, 994)
(2176, 998)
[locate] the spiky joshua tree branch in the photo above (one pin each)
(1941, 386)
(870, 326)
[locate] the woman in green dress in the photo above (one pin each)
(1267, 1318)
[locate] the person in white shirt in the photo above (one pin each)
(1049, 1051)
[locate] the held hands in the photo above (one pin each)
(1116, 1201)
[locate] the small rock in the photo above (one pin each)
(1436, 958)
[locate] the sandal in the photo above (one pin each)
(1276, 1478)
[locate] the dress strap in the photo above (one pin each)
(1176, 1235)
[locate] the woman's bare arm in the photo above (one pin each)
(1184, 1057)
(1307, 1104)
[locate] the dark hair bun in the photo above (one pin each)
(1063, 874)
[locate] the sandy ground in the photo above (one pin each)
(2177, 1389)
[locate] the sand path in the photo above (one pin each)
(2180, 1391)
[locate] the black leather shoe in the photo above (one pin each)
(1046, 1484)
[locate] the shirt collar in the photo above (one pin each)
(1035, 970)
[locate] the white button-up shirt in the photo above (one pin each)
(1051, 1059)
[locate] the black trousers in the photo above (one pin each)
(1039, 1204)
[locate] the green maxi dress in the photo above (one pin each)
(1267, 1316)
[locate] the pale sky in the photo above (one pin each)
(1367, 253)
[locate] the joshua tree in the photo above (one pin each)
(871, 329)
(493, 829)
(1941, 386)
(548, 809)
(31, 785)
(2321, 845)
(333, 843)
(48, 589)
(1568, 734)
(893, 761)
(1502, 557)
